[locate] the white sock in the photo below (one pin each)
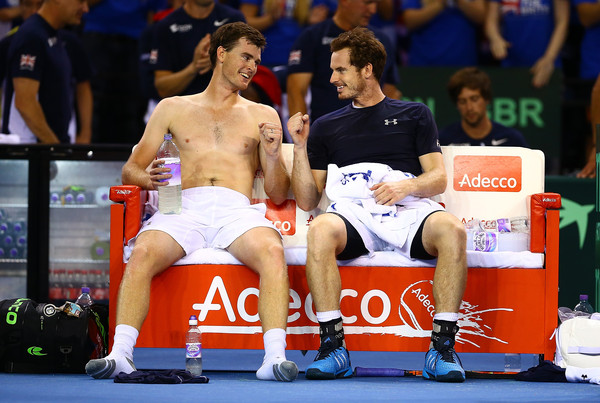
(328, 315)
(447, 316)
(124, 341)
(120, 358)
(274, 340)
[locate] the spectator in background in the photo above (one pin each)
(589, 170)
(384, 18)
(43, 60)
(281, 21)
(10, 13)
(80, 127)
(182, 65)
(110, 34)
(528, 34)
(306, 69)
(443, 32)
(471, 91)
(147, 59)
(26, 9)
(588, 12)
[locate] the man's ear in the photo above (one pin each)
(368, 70)
(221, 53)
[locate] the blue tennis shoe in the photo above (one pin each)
(330, 365)
(443, 366)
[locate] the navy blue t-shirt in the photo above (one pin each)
(178, 34)
(311, 54)
(39, 52)
(395, 133)
(499, 136)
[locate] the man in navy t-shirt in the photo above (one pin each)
(382, 157)
(308, 62)
(471, 91)
(40, 71)
(181, 64)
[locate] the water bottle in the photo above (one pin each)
(169, 197)
(512, 362)
(493, 241)
(54, 198)
(84, 298)
(193, 348)
(584, 305)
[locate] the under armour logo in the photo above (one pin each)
(392, 121)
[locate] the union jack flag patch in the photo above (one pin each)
(27, 62)
(295, 57)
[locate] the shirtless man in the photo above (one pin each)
(222, 138)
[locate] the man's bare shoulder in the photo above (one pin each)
(261, 111)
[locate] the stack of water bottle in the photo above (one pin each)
(13, 236)
(75, 194)
(65, 284)
(498, 235)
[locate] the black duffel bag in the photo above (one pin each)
(40, 338)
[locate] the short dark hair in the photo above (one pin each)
(228, 36)
(471, 78)
(364, 49)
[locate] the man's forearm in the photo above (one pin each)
(85, 110)
(34, 118)
(277, 180)
(415, 18)
(430, 183)
(304, 187)
(169, 84)
(132, 174)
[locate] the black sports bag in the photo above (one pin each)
(39, 338)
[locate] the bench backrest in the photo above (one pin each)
(483, 182)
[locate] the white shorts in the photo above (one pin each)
(211, 217)
(413, 216)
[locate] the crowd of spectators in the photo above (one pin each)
(125, 55)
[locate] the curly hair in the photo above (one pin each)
(364, 49)
(471, 78)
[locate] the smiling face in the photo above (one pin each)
(240, 63)
(472, 107)
(346, 77)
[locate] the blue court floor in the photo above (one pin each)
(232, 379)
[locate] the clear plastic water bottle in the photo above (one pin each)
(512, 362)
(584, 305)
(84, 298)
(193, 348)
(169, 197)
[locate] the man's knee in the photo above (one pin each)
(445, 229)
(326, 231)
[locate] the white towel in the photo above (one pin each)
(348, 188)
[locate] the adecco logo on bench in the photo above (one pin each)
(484, 173)
(405, 311)
(282, 216)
